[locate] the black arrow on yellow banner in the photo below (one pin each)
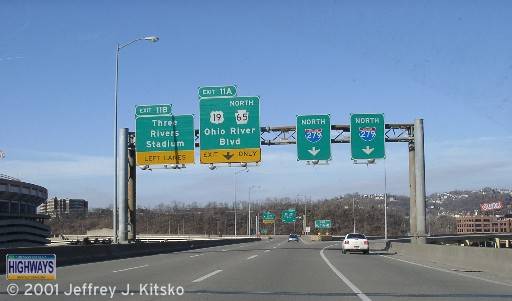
(228, 156)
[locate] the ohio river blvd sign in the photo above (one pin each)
(165, 139)
(230, 130)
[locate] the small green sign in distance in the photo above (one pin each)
(289, 216)
(313, 137)
(267, 215)
(323, 224)
(153, 110)
(214, 91)
(367, 136)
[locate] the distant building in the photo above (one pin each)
(20, 225)
(61, 207)
(483, 224)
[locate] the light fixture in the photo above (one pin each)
(153, 39)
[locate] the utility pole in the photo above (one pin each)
(353, 214)
(305, 213)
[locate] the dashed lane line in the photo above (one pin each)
(132, 268)
(207, 276)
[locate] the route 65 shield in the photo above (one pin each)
(367, 133)
(313, 135)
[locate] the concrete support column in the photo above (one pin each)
(420, 181)
(122, 184)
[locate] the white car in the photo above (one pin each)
(355, 242)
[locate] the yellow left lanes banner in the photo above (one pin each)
(165, 157)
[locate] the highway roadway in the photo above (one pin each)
(268, 270)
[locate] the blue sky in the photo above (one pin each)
(449, 62)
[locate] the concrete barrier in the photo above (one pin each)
(69, 255)
(495, 261)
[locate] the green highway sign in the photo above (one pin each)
(323, 224)
(313, 137)
(153, 110)
(217, 91)
(367, 137)
(230, 130)
(166, 139)
(267, 215)
(289, 216)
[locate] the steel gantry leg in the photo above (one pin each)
(122, 184)
(412, 191)
(132, 189)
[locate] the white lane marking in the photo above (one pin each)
(448, 271)
(251, 257)
(354, 288)
(196, 255)
(142, 266)
(274, 247)
(224, 250)
(207, 276)
(266, 251)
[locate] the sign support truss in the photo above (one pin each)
(410, 133)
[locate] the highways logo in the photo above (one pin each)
(313, 135)
(31, 267)
(367, 133)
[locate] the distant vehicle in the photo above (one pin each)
(293, 237)
(355, 242)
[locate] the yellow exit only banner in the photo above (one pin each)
(248, 155)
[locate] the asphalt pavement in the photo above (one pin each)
(266, 270)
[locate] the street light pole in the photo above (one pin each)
(116, 90)
(235, 174)
(249, 218)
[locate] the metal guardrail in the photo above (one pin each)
(105, 239)
(439, 238)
